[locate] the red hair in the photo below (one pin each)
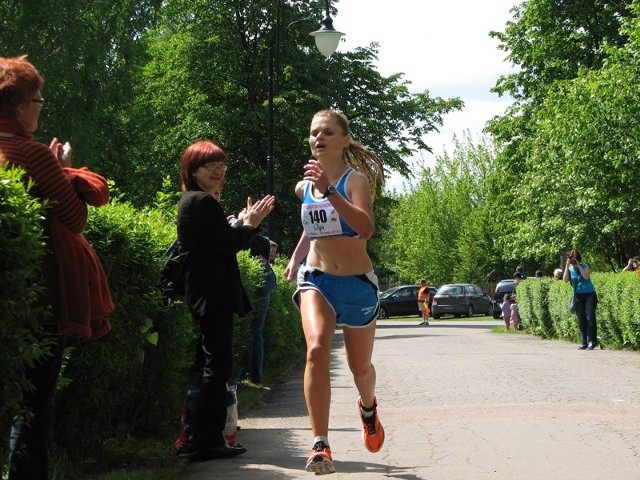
(196, 155)
(19, 82)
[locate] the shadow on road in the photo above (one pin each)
(277, 451)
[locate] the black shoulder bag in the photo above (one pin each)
(172, 267)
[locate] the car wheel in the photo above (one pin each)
(469, 311)
(382, 313)
(436, 316)
(489, 310)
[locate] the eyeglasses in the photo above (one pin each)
(212, 167)
(38, 100)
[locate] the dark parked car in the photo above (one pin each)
(401, 301)
(460, 299)
(502, 288)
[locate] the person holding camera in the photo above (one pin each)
(633, 265)
(585, 298)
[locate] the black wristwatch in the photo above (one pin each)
(330, 189)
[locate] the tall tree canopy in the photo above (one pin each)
(207, 77)
(132, 82)
(570, 151)
(88, 52)
(441, 231)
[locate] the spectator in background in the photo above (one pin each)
(75, 285)
(520, 270)
(506, 310)
(515, 314)
(539, 274)
(518, 277)
(557, 274)
(633, 265)
(253, 358)
(264, 249)
(424, 294)
(585, 298)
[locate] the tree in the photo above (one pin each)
(207, 78)
(87, 52)
(441, 230)
(580, 162)
(552, 40)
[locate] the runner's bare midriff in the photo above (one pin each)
(340, 256)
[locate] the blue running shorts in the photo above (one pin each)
(353, 298)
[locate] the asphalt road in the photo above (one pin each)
(458, 402)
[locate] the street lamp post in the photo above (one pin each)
(327, 40)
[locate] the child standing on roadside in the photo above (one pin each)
(506, 311)
(515, 315)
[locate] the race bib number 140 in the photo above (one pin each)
(320, 220)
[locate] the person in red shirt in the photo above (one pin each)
(76, 291)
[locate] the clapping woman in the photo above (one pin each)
(75, 285)
(213, 288)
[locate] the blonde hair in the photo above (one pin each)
(356, 155)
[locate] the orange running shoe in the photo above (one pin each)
(372, 431)
(320, 461)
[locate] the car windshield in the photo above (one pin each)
(450, 290)
(506, 287)
(391, 291)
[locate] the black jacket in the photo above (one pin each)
(211, 273)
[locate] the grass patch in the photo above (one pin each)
(511, 331)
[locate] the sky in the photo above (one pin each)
(440, 45)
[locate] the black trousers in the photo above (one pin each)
(29, 441)
(586, 304)
(216, 362)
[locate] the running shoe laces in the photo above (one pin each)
(372, 431)
(320, 462)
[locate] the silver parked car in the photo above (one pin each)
(460, 299)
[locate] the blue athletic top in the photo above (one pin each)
(320, 218)
(578, 282)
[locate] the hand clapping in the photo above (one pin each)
(256, 212)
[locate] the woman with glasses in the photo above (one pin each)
(213, 287)
(76, 290)
(336, 282)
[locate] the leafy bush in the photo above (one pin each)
(132, 380)
(21, 251)
(283, 338)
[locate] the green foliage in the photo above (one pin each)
(543, 309)
(206, 78)
(551, 40)
(565, 176)
(283, 337)
(21, 251)
(89, 59)
(441, 231)
(129, 384)
(130, 381)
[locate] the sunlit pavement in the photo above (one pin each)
(458, 402)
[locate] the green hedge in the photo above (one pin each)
(131, 382)
(543, 308)
(21, 249)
